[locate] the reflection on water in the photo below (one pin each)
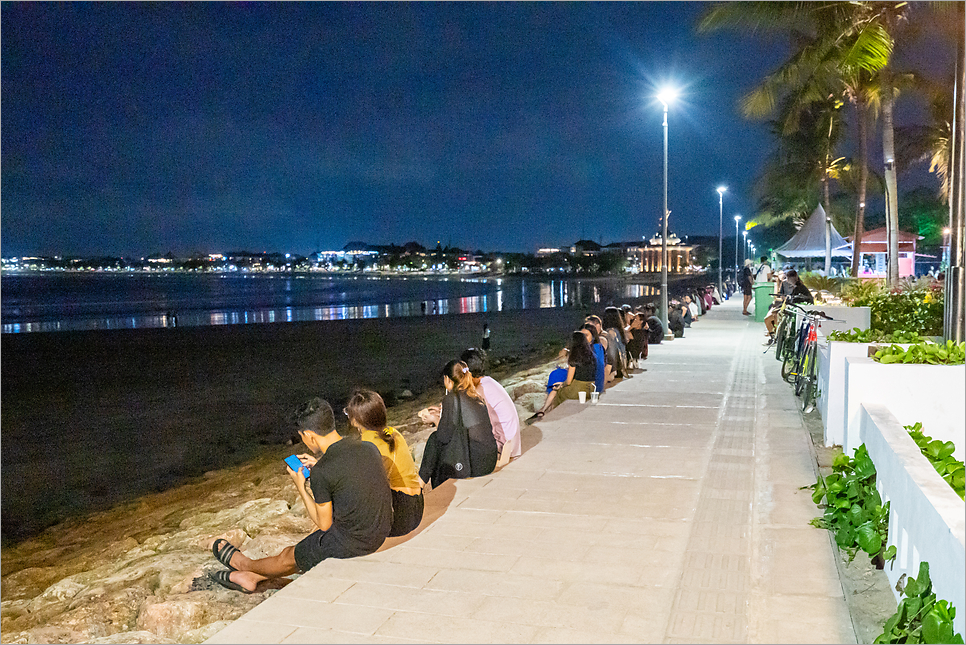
(406, 297)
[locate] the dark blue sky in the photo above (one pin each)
(131, 128)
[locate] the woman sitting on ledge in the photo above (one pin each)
(581, 372)
(463, 411)
(367, 413)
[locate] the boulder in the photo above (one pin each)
(202, 634)
(530, 403)
(268, 544)
(172, 617)
(528, 387)
(134, 637)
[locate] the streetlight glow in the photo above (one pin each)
(667, 96)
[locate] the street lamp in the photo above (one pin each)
(945, 258)
(737, 219)
(721, 192)
(744, 249)
(665, 97)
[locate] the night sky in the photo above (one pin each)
(133, 128)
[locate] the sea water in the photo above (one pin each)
(43, 302)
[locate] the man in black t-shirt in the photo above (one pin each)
(350, 502)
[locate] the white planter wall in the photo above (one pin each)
(850, 317)
(927, 519)
(932, 394)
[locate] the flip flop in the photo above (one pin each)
(222, 577)
(223, 553)
(536, 417)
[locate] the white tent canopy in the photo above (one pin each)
(809, 241)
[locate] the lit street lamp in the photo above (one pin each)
(737, 219)
(721, 192)
(744, 249)
(665, 97)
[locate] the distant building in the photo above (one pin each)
(585, 247)
(678, 255)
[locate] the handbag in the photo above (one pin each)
(455, 458)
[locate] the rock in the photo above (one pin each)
(287, 523)
(100, 617)
(26, 583)
(202, 634)
(172, 617)
(134, 637)
(531, 402)
(528, 387)
(270, 544)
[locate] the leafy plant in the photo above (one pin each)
(853, 509)
(815, 281)
(952, 353)
(856, 335)
(940, 455)
(920, 618)
(911, 305)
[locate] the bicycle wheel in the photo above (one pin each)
(788, 367)
(808, 395)
(805, 372)
(781, 338)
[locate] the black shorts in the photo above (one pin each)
(746, 289)
(319, 546)
(407, 513)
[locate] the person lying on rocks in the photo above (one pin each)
(499, 406)
(367, 413)
(581, 372)
(346, 495)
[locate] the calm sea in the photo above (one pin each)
(78, 301)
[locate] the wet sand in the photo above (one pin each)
(94, 419)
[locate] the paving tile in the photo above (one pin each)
(426, 627)
(251, 631)
(798, 619)
(562, 635)
(321, 588)
(604, 617)
(309, 613)
(489, 583)
(394, 598)
(716, 627)
(405, 575)
(312, 635)
(550, 569)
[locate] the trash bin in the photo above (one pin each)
(763, 299)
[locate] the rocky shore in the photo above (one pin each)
(136, 573)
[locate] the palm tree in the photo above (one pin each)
(840, 47)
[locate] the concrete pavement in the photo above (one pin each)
(669, 512)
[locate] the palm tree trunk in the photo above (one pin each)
(862, 119)
(892, 191)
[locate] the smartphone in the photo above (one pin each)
(296, 464)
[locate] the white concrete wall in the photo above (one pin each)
(831, 383)
(927, 519)
(845, 318)
(932, 394)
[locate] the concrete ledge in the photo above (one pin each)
(932, 394)
(926, 519)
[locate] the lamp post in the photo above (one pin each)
(664, 97)
(744, 249)
(737, 219)
(721, 192)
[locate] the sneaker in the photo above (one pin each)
(769, 342)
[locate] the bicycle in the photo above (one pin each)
(800, 366)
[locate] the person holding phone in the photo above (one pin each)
(346, 496)
(367, 413)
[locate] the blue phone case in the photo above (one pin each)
(296, 464)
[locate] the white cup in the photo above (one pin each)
(582, 396)
(594, 397)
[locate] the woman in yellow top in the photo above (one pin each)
(367, 413)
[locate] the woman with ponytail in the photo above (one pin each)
(464, 411)
(367, 413)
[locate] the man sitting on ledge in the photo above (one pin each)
(350, 502)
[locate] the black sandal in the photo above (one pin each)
(223, 553)
(222, 577)
(536, 417)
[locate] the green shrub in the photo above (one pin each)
(920, 618)
(951, 353)
(940, 455)
(854, 512)
(856, 335)
(817, 282)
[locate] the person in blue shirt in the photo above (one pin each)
(598, 349)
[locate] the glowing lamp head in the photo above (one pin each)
(722, 190)
(667, 96)
(737, 218)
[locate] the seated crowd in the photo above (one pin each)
(361, 485)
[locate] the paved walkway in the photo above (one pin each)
(670, 512)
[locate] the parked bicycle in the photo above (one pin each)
(796, 345)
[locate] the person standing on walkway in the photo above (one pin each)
(350, 503)
(764, 273)
(486, 337)
(746, 286)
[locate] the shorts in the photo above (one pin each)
(407, 513)
(320, 546)
(746, 289)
